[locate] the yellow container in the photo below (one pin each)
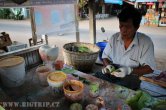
(56, 79)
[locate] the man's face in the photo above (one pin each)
(127, 29)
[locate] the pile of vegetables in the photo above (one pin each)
(143, 100)
(81, 49)
(94, 89)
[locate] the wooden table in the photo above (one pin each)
(32, 91)
(153, 81)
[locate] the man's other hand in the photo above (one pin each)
(108, 69)
(122, 72)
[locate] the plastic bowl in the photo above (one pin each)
(42, 72)
(101, 45)
(56, 79)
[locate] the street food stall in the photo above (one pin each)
(155, 12)
(163, 13)
(51, 85)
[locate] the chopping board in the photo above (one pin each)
(152, 80)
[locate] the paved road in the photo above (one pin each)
(21, 31)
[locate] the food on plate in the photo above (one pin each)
(94, 89)
(91, 107)
(75, 106)
(100, 102)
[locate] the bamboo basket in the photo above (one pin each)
(80, 61)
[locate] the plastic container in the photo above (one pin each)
(42, 72)
(59, 65)
(73, 90)
(101, 45)
(56, 79)
(12, 71)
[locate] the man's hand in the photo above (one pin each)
(108, 69)
(122, 72)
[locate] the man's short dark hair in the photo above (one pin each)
(130, 13)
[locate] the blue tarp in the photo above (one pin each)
(120, 2)
(146, 0)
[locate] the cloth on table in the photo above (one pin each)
(130, 81)
(153, 89)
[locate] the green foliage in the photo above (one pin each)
(144, 100)
(7, 13)
(132, 101)
(18, 15)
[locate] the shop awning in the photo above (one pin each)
(161, 0)
(13, 3)
(120, 2)
(150, 3)
(129, 1)
(146, 0)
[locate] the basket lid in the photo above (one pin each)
(11, 61)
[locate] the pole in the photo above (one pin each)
(76, 23)
(92, 21)
(33, 26)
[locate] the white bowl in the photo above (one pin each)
(56, 79)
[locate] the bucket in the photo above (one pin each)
(101, 45)
(12, 71)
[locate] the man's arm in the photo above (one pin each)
(142, 70)
(106, 62)
(147, 60)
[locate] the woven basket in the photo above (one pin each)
(81, 61)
